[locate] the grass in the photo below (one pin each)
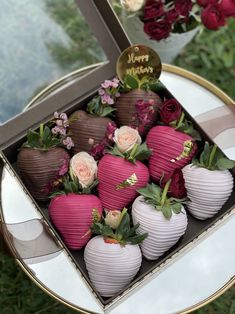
(210, 55)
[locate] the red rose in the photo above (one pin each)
(177, 187)
(170, 111)
(212, 17)
(204, 3)
(183, 7)
(172, 16)
(228, 7)
(157, 30)
(153, 9)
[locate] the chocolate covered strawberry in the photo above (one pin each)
(121, 172)
(113, 258)
(42, 160)
(92, 131)
(73, 208)
(162, 217)
(172, 145)
(208, 182)
(137, 106)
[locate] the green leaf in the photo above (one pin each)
(225, 163)
(142, 152)
(146, 192)
(124, 225)
(131, 82)
(46, 135)
(176, 208)
(167, 212)
(156, 190)
(33, 139)
(115, 151)
(93, 106)
(205, 155)
(106, 111)
(107, 231)
(138, 238)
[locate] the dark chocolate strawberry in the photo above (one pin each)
(87, 130)
(138, 108)
(41, 161)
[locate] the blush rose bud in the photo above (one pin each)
(125, 138)
(84, 168)
(112, 219)
(132, 5)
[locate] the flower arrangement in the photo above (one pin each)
(163, 17)
(54, 134)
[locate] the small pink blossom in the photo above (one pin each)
(98, 150)
(63, 116)
(111, 127)
(101, 91)
(107, 84)
(68, 142)
(59, 122)
(64, 168)
(56, 115)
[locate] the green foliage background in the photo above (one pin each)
(211, 55)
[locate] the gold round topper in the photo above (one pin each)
(139, 61)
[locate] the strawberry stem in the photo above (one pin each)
(133, 152)
(122, 214)
(41, 131)
(164, 192)
(182, 116)
(212, 155)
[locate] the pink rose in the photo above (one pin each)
(125, 138)
(213, 17)
(157, 30)
(228, 7)
(113, 218)
(84, 168)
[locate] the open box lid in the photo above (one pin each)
(111, 37)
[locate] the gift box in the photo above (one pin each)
(70, 98)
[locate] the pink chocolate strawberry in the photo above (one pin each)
(72, 215)
(73, 211)
(121, 173)
(118, 181)
(171, 149)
